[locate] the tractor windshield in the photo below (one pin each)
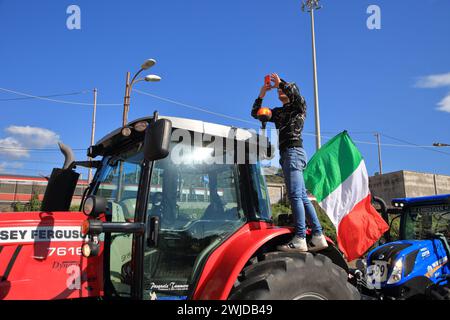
(420, 222)
(118, 182)
(199, 204)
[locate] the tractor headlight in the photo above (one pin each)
(90, 249)
(396, 274)
(94, 206)
(141, 126)
(88, 206)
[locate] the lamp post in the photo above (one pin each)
(126, 107)
(129, 86)
(94, 111)
(310, 6)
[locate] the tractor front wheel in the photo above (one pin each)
(293, 276)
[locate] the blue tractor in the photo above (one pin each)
(416, 266)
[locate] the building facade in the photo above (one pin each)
(20, 189)
(402, 184)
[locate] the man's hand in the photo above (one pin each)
(276, 80)
(263, 91)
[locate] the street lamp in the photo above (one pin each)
(438, 144)
(310, 6)
(148, 64)
(129, 85)
(149, 78)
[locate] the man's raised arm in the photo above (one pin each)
(258, 102)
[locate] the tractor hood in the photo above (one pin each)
(40, 257)
(390, 251)
(419, 259)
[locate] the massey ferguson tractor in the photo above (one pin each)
(177, 209)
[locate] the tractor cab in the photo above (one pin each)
(205, 190)
(417, 263)
(424, 217)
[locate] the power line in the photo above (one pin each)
(39, 149)
(23, 169)
(49, 96)
(57, 100)
(9, 161)
(197, 108)
(257, 124)
(416, 145)
(205, 110)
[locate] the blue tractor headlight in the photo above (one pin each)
(396, 274)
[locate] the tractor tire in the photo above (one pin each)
(293, 276)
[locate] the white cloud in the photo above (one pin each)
(444, 104)
(437, 81)
(434, 81)
(12, 148)
(22, 138)
(8, 166)
(33, 136)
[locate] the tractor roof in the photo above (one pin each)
(115, 137)
(417, 201)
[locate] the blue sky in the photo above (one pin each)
(214, 55)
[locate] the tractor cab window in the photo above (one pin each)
(423, 221)
(262, 201)
(118, 184)
(199, 205)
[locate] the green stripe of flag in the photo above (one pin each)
(331, 165)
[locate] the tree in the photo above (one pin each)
(35, 203)
(18, 207)
(328, 227)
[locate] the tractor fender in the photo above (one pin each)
(226, 262)
(223, 266)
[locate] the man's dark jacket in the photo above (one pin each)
(289, 119)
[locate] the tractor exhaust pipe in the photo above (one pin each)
(61, 184)
(69, 157)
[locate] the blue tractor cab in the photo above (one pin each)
(417, 265)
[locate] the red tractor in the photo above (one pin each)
(177, 209)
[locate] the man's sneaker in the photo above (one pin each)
(297, 244)
(317, 243)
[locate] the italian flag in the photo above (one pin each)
(337, 176)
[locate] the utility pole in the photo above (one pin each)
(94, 112)
(310, 6)
(379, 152)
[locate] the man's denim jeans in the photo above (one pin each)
(293, 162)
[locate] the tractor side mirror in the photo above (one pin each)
(157, 140)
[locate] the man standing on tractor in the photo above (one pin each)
(289, 120)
